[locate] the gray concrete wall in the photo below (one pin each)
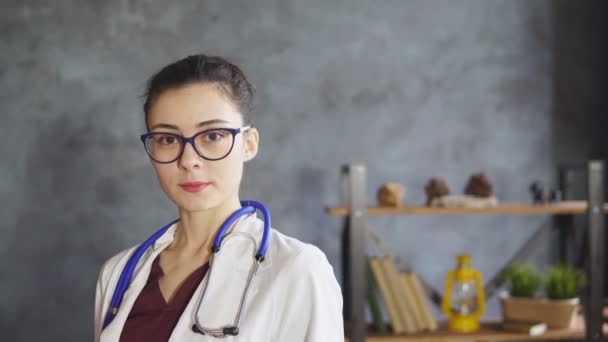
(412, 89)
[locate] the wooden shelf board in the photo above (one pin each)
(564, 208)
(490, 331)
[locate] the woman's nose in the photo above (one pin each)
(190, 158)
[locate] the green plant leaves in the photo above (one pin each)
(564, 282)
(523, 280)
(559, 282)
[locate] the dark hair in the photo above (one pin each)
(204, 69)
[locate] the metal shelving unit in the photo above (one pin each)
(354, 211)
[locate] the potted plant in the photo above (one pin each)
(523, 280)
(564, 282)
(524, 283)
(559, 305)
(562, 285)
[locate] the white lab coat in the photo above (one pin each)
(294, 296)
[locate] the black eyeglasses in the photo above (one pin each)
(211, 144)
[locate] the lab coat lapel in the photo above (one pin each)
(183, 328)
(113, 331)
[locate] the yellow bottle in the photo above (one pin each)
(464, 300)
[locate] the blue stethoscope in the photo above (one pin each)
(248, 207)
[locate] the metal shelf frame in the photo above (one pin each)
(354, 258)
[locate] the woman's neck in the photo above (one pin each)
(196, 229)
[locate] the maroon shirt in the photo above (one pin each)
(151, 318)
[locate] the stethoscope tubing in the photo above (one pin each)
(248, 207)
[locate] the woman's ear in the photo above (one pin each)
(252, 140)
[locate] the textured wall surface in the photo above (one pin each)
(411, 89)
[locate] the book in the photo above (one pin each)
(387, 294)
(423, 303)
(411, 302)
(378, 324)
(396, 287)
(530, 328)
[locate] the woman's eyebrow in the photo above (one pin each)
(164, 125)
(202, 124)
(211, 122)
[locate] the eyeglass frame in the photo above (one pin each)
(184, 140)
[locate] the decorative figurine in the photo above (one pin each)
(391, 195)
(479, 186)
(479, 194)
(436, 188)
(540, 197)
(555, 196)
(538, 193)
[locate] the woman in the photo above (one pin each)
(294, 295)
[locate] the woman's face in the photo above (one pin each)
(189, 110)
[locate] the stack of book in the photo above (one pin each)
(406, 303)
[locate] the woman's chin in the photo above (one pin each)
(194, 206)
(193, 203)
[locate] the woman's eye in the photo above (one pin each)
(213, 136)
(166, 140)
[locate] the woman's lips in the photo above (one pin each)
(194, 186)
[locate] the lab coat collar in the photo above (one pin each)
(245, 223)
(166, 238)
(249, 224)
